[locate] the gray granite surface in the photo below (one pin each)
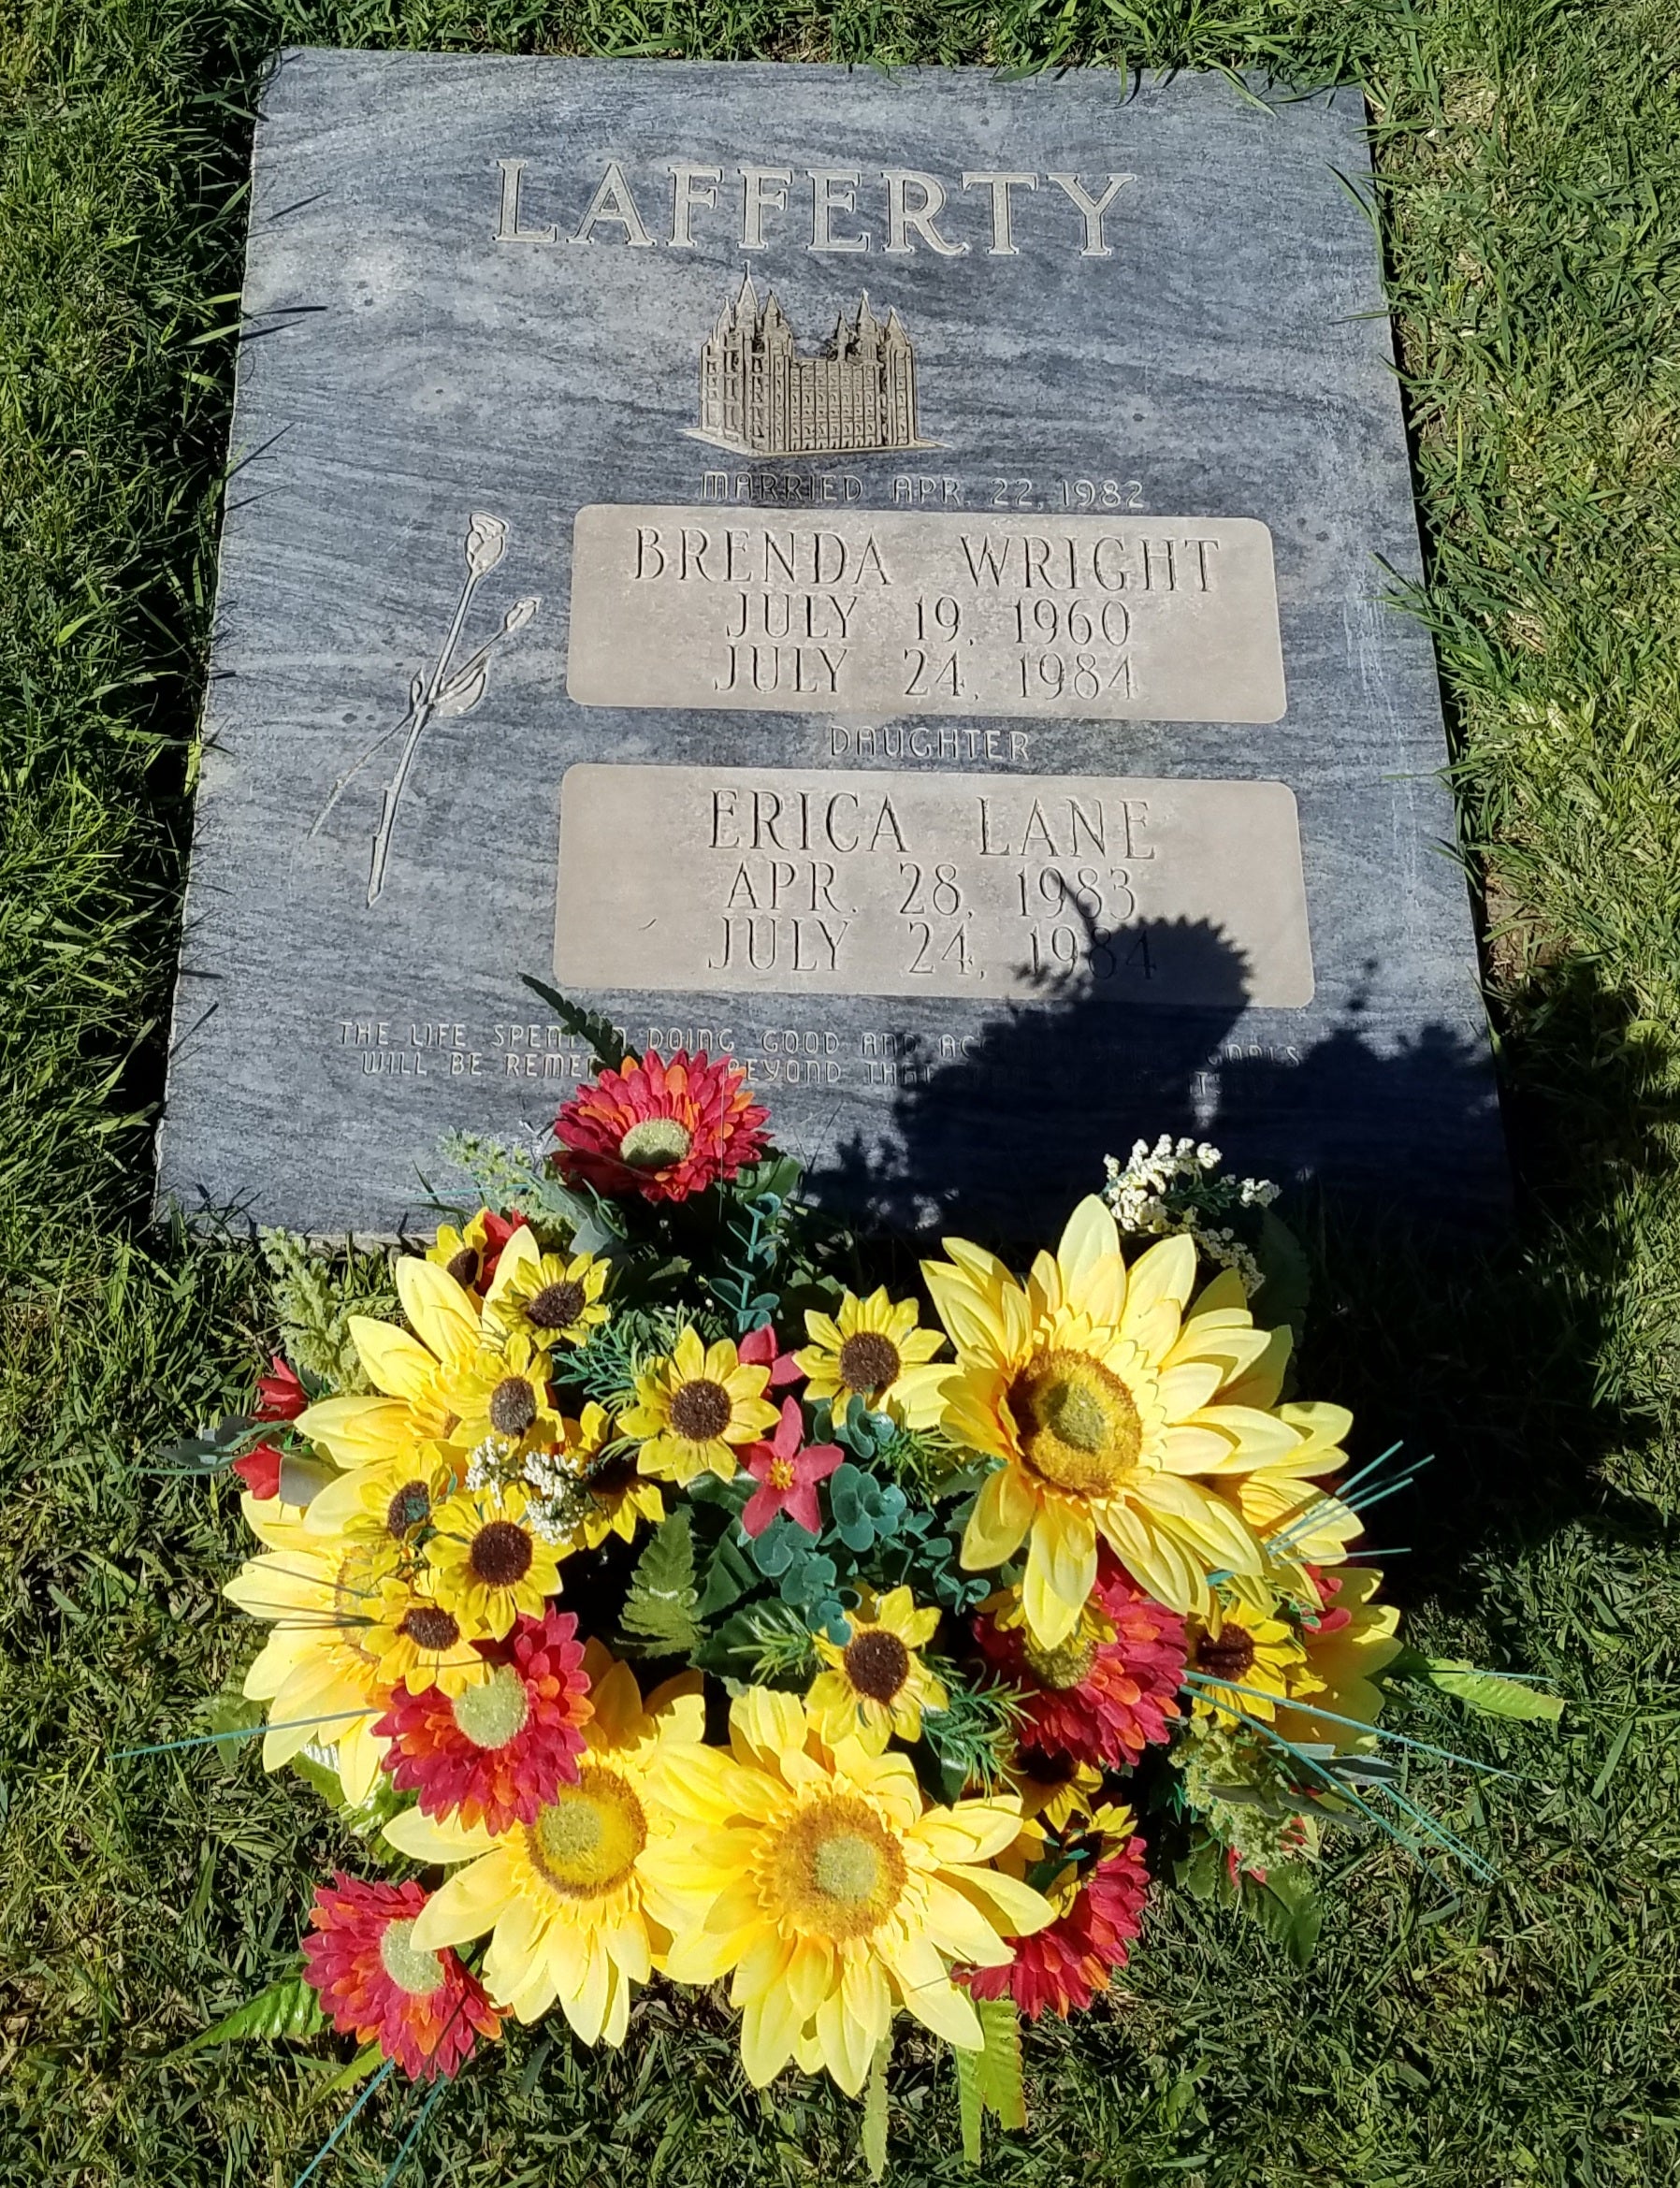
(350, 989)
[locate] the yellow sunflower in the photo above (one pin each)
(387, 1502)
(413, 1373)
(547, 1298)
(317, 1672)
(1261, 1655)
(417, 1641)
(488, 1563)
(565, 1897)
(834, 1894)
(1107, 1408)
(692, 1408)
(462, 1254)
(873, 1349)
(502, 1394)
(876, 1685)
(1299, 1521)
(1104, 1825)
(1353, 1642)
(604, 1466)
(1056, 1792)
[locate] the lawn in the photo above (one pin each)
(1529, 164)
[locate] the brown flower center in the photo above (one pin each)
(1078, 1424)
(428, 1627)
(408, 1508)
(1226, 1656)
(501, 1554)
(878, 1664)
(464, 1266)
(557, 1306)
(869, 1362)
(701, 1410)
(611, 1477)
(513, 1407)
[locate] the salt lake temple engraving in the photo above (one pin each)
(759, 395)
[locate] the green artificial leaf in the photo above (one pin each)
(516, 1182)
(1204, 1872)
(658, 1616)
(1001, 2088)
(728, 1578)
(1490, 1694)
(970, 2106)
(213, 1448)
(874, 2110)
(777, 1179)
(768, 1644)
(358, 2070)
(973, 1738)
(1288, 1908)
(1282, 1296)
(322, 1775)
(610, 1052)
(288, 2009)
(863, 1509)
(772, 1551)
(229, 1710)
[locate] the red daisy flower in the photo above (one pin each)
(1065, 1966)
(498, 1752)
(280, 1395)
(662, 1130)
(1109, 1692)
(424, 2010)
(499, 1229)
(761, 1348)
(1331, 1618)
(259, 1470)
(787, 1476)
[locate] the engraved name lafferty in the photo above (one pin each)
(895, 612)
(1132, 891)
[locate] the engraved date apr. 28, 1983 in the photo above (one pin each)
(993, 887)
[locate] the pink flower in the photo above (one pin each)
(759, 1348)
(259, 1470)
(787, 1476)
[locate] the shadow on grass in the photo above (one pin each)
(1442, 1323)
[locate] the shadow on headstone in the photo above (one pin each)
(1023, 1118)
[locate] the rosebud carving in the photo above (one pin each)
(486, 543)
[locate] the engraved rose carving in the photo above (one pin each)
(448, 692)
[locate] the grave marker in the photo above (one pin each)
(886, 579)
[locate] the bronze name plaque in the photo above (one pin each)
(996, 887)
(893, 612)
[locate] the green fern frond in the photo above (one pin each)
(658, 1611)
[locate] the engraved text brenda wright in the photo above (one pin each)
(892, 611)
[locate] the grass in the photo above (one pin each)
(1445, 2033)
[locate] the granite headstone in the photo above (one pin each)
(889, 579)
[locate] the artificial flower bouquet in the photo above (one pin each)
(665, 1586)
